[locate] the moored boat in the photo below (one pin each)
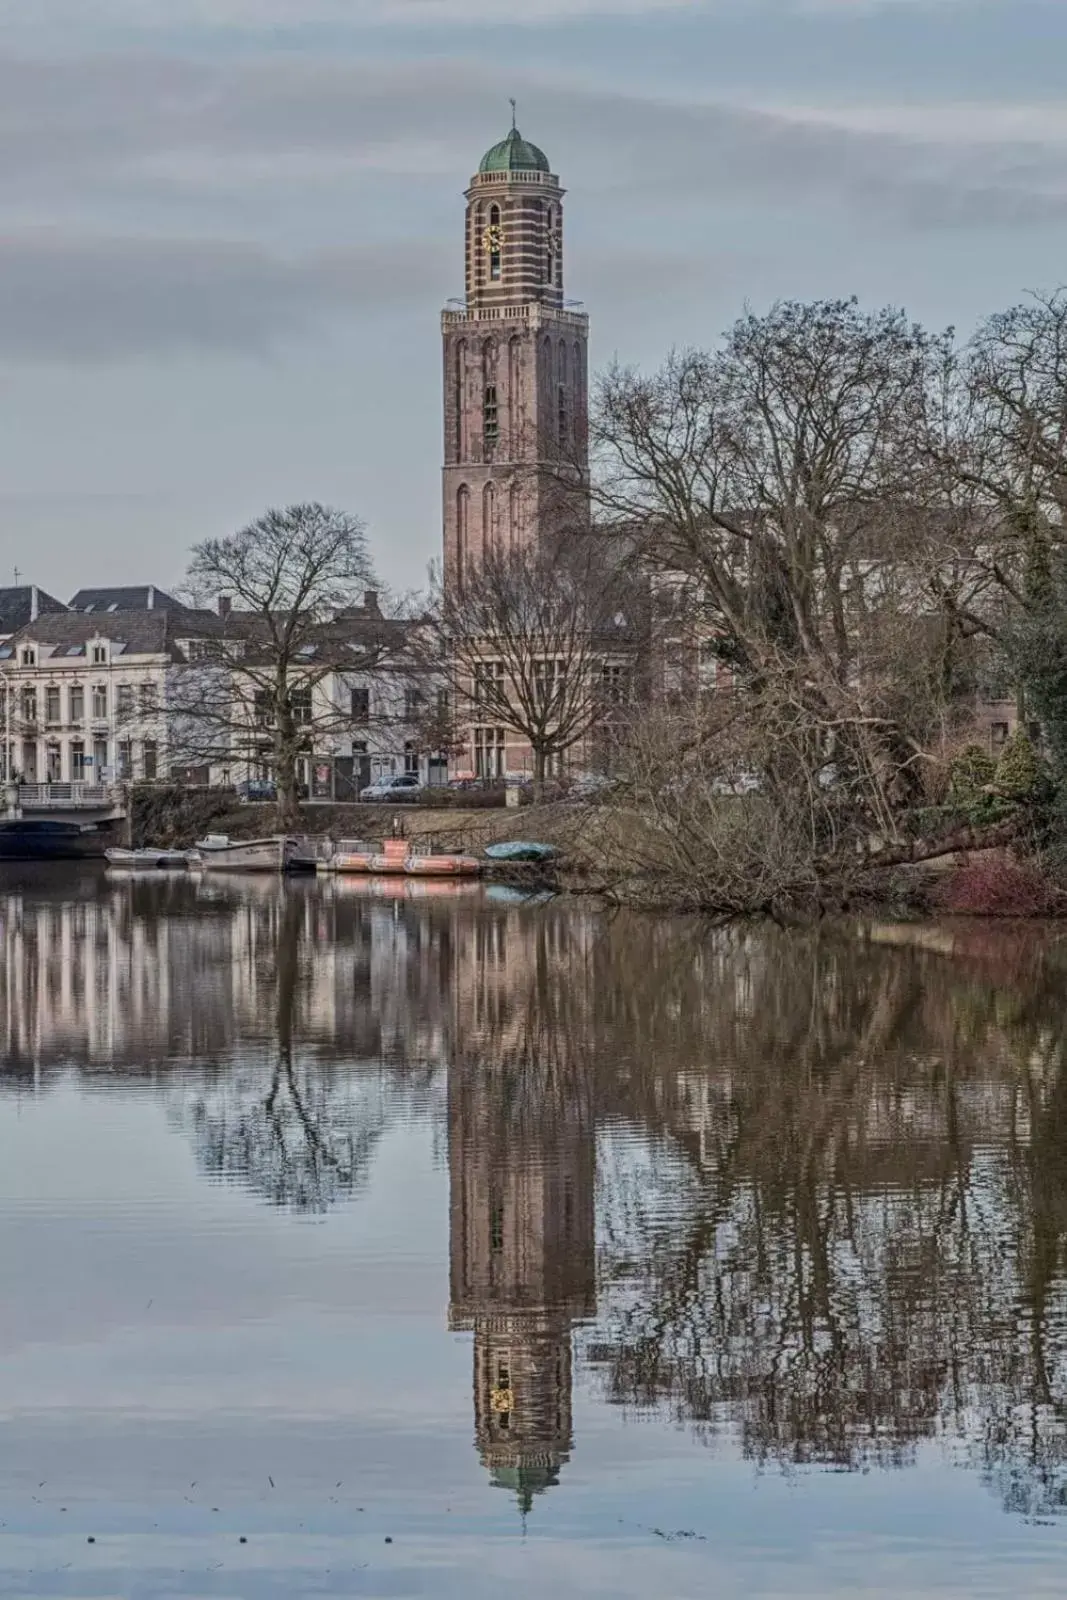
(281, 853)
(521, 850)
(43, 839)
(397, 859)
(149, 860)
(442, 866)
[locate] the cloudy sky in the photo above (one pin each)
(228, 225)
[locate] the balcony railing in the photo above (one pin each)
(64, 796)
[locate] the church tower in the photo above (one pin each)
(515, 367)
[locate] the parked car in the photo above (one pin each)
(257, 789)
(591, 786)
(400, 788)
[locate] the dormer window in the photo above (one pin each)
(29, 656)
(99, 655)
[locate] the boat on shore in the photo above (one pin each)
(280, 853)
(44, 839)
(149, 860)
(395, 858)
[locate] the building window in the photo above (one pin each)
(490, 419)
(124, 701)
(151, 760)
(263, 708)
(300, 705)
(360, 706)
(489, 752)
(77, 703)
(412, 705)
(149, 699)
(29, 656)
(488, 682)
(998, 735)
(561, 415)
(615, 682)
(99, 702)
(411, 757)
(125, 759)
(548, 678)
(29, 705)
(51, 704)
(53, 763)
(496, 1233)
(707, 669)
(77, 760)
(442, 704)
(99, 655)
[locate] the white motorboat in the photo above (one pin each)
(281, 853)
(148, 860)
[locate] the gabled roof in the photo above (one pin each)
(17, 606)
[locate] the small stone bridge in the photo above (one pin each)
(65, 802)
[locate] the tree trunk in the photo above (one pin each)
(285, 754)
(539, 773)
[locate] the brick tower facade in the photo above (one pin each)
(515, 367)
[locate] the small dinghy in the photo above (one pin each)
(521, 850)
(148, 860)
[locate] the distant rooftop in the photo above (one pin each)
(19, 606)
(143, 598)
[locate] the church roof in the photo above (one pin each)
(514, 154)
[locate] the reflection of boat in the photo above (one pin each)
(368, 886)
(43, 839)
(219, 853)
(160, 860)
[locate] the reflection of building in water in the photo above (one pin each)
(522, 1259)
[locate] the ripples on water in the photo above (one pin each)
(700, 1261)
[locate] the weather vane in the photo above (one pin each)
(514, 113)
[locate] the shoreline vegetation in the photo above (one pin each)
(982, 854)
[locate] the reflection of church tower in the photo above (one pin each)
(522, 1261)
(515, 367)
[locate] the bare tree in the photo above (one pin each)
(542, 641)
(284, 647)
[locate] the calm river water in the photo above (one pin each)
(363, 1244)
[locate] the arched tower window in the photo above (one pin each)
(562, 398)
(515, 516)
(514, 395)
(463, 503)
(550, 246)
(493, 243)
(490, 421)
(461, 369)
(488, 518)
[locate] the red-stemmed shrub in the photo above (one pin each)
(995, 885)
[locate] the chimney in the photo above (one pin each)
(370, 603)
(225, 606)
(151, 597)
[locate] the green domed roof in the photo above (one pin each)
(514, 154)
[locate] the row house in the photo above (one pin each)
(84, 694)
(364, 704)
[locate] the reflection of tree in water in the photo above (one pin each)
(304, 1137)
(862, 1242)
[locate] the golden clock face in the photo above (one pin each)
(493, 238)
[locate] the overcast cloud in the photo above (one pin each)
(229, 225)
